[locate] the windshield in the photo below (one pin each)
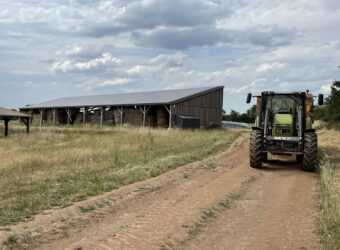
(283, 104)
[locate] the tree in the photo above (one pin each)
(332, 108)
(248, 117)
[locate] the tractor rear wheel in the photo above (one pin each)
(310, 152)
(255, 149)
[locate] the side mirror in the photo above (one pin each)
(320, 99)
(248, 97)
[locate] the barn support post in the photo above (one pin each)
(27, 125)
(84, 116)
(31, 114)
(144, 111)
(54, 117)
(6, 120)
(170, 114)
(26, 121)
(101, 116)
(69, 119)
(41, 116)
(121, 111)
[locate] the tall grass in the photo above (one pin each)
(329, 195)
(319, 124)
(55, 166)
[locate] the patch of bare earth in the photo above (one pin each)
(219, 202)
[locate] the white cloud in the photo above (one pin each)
(66, 66)
(73, 51)
(115, 82)
(159, 63)
(265, 67)
(326, 89)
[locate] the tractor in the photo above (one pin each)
(283, 126)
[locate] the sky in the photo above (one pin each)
(58, 48)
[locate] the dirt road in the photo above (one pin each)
(217, 203)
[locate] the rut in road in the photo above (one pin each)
(219, 202)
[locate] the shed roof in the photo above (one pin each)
(126, 99)
(11, 113)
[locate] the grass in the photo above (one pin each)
(56, 166)
(329, 189)
(329, 195)
(319, 124)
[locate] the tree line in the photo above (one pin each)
(248, 117)
(330, 111)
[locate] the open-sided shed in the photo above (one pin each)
(8, 114)
(153, 108)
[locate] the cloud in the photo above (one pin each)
(115, 82)
(185, 38)
(265, 67)
(150, 14)
(73, 51)
(68, 66)
(159, 63)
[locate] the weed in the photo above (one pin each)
(64, 234)
(87, 209)
(225, 203)
(185, 175)
(11, 240)
(147, 188)
(209, 213)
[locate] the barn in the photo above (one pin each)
(194, 107)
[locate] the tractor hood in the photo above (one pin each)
(283, 125)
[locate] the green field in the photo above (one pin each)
(55, 166)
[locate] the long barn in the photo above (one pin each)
(166, 108)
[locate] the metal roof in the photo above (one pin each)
(11, 113)
(126, 99)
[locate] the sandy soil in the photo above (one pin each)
(217, 203)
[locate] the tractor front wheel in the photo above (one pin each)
(255, 149)
(310, 152)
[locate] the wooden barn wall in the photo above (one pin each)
(207, 107)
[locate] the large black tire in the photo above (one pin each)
(255, 149)
(310, 152)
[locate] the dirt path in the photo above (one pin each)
(219, 202)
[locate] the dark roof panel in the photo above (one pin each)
(11, 113)
(136, 98)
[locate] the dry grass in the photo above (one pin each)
(53, 167)
(329, 189)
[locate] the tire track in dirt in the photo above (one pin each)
(277, 212)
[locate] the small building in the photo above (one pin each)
(9, 114)
(153, 108)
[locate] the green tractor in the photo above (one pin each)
(283, 126)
